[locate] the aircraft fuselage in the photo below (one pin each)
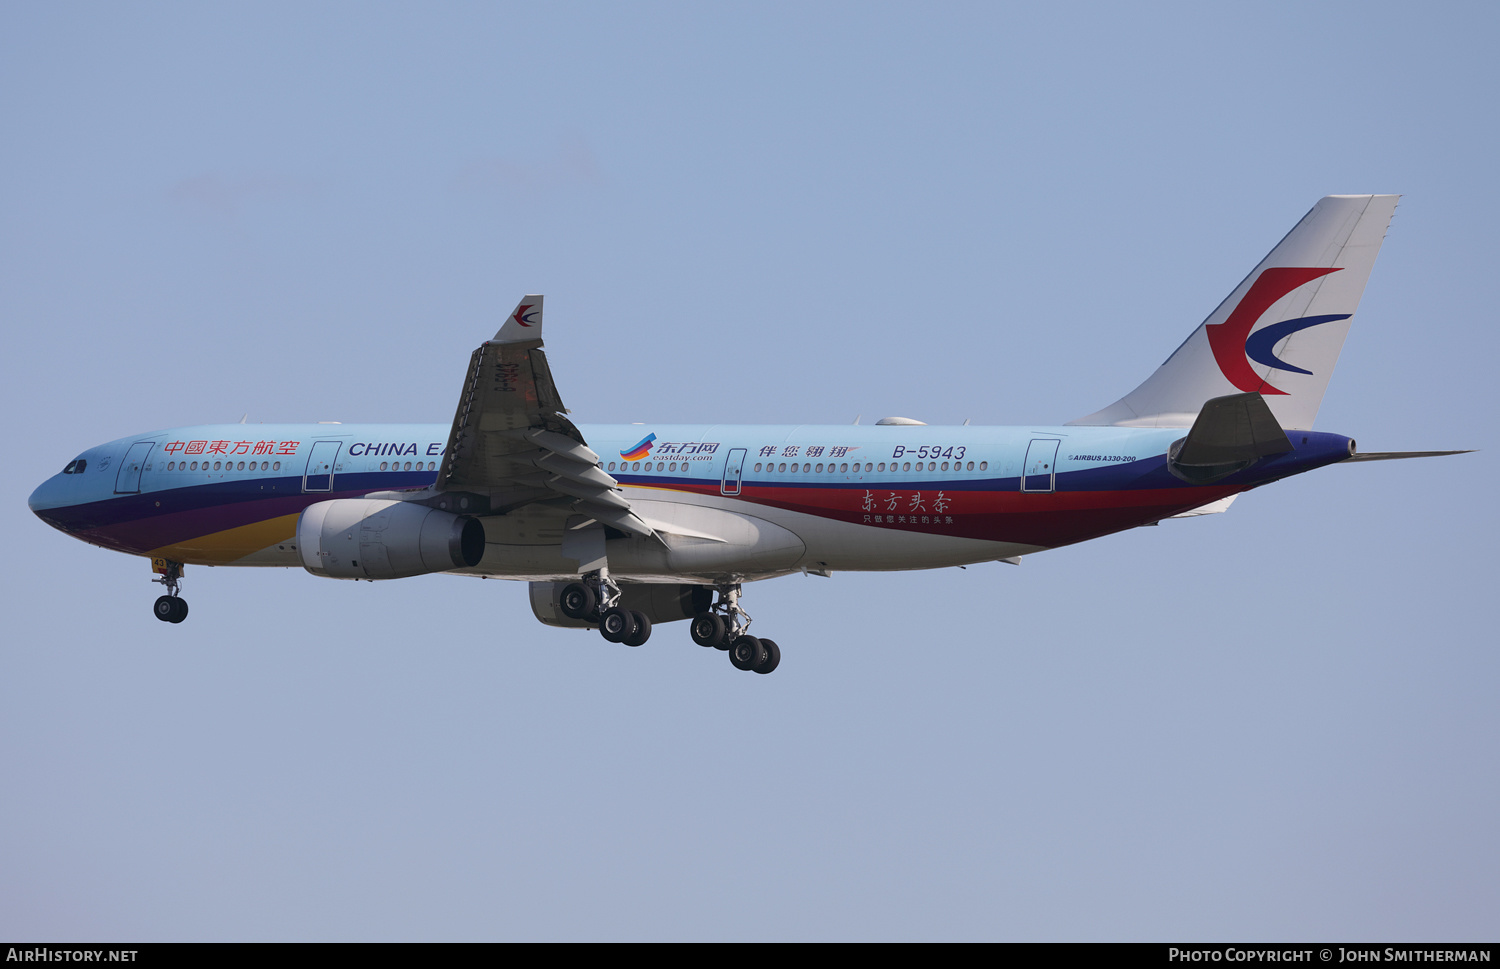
(835, 497)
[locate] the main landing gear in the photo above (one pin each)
(726, 626)
(170, 607)
(596, 600)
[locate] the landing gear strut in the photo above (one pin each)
(170, 607)
(726, 626)
(596, 599)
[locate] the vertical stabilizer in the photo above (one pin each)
(1279, 333)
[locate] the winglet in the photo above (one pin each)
(524, 323)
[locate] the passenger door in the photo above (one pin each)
(1038, 474)
(734, 469)
(319, 474)
(128, 478)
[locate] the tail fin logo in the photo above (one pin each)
(521, 316)
(640, 450)
(1235, 346)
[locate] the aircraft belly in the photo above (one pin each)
(694, 541)
(847, 547)
(818, 542)
(699, 537)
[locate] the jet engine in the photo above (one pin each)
(659, 602)
(368, 538)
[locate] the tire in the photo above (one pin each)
(181, 610)
(746, 653)
(773, 657)
(615, 624)
(577, 601)
(642, 630)
(165, 608)
(707, 629)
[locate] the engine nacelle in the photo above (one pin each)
(368, 538)
(660, 602)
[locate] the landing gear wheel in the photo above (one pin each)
(577, 601)
(616, 623)
(642, 630)
(773, 657)
(707, 630)
(170, 609)
(746, 653)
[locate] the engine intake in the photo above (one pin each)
(369, 538)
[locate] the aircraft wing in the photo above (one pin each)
(510, 440)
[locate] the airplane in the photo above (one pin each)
(622, 527)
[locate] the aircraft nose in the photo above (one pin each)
(45, 496)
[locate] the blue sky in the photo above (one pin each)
(1277, 723)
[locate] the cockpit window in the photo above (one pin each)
(75, 466)
(69, 468)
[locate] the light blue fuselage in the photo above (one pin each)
(852, 497)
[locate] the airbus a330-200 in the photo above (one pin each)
(620, 527)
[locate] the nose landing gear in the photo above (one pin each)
(170, 607)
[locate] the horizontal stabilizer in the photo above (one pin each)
(1398, 455)
(1212, 508)
(1230, 434)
